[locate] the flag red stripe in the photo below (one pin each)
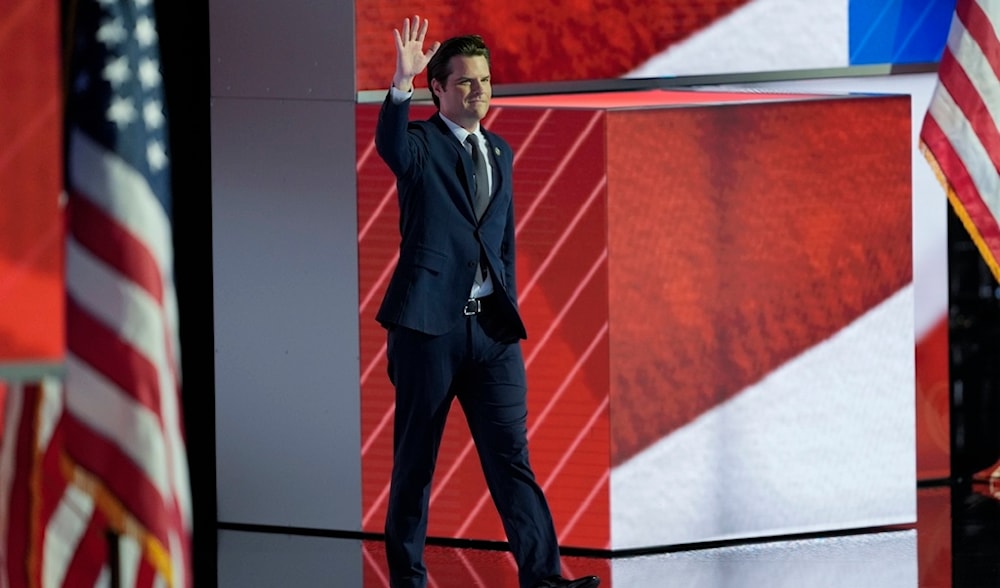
(113, 244)
(955, 79)
(122, 478)
(958, 176)
(91, 554)
(116, 360)
(980, 28)
(19, 522)
(146, 575)
(55, 484)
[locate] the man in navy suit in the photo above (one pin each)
(450, 309)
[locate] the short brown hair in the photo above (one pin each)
(439, 67)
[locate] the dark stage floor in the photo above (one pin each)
(949, 547)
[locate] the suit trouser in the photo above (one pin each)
(487, 376)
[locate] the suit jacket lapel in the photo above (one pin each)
(496, 158)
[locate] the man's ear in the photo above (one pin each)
(436, 87)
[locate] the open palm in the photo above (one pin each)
(411, 59)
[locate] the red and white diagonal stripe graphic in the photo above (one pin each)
(560, 208)
(601, 411)
(960, 135)
(371, 293)
(601, 487)
(552, 328)
(442, 481)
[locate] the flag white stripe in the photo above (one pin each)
(122, 193)
(105, 408)
(14, 405)
(955, 32)
(991, 8)
(129, 558)
(126, 309)
(970, 150)
(977, 68)
(63, 534)
(104, 578)
(51, 410)
(179, 475)
(177, 559)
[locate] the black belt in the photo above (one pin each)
(473, 306)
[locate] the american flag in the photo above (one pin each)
(118, 441)
(960, 136)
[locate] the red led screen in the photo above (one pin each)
(31, 287)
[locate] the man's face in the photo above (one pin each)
(465, 96)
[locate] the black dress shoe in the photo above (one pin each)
(560, 582)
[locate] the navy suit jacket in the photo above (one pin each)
(440, 236)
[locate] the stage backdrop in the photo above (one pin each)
(718, 293)
(537, 44)
(31, 291)
(588, 40)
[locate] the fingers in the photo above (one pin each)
(430, 52)
(413, 30)
(423, 29)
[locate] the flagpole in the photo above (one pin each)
(114, 558)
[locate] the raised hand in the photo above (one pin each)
(411, 59)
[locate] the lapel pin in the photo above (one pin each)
(496, 151)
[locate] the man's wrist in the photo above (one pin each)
(398, 96)
(402, 84)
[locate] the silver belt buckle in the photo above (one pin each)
(473, 306)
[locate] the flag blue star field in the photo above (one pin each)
(122, 447)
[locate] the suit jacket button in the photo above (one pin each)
(471, 264)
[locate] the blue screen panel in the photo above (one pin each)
(898, 31)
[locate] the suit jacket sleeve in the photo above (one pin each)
(400, 150)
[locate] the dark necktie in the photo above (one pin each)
(481, 198)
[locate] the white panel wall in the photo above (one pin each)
(248, 560)
(285, 266)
